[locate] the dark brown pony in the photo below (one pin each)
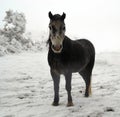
(67, 56)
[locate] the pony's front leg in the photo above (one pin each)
(56, 81)
(68, 77)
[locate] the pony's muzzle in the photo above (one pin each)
(57, 48)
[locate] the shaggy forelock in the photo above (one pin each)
(56, 17)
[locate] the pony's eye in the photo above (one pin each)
(50, 27)
(64, 28)
(53, 29)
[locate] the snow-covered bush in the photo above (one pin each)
(14, 24)
(12, 37)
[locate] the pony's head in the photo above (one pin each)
(57, 31)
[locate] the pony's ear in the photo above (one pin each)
(50, 15)
(63, 16)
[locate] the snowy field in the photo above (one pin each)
(26, 88)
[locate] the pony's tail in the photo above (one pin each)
(90, 90)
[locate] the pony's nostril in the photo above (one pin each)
(60, 46)
(53, 46)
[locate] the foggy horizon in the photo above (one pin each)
(98, 21)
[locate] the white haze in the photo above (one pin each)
(99, 21)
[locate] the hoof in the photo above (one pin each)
(55, 104)
(70, 104)
(86, 95)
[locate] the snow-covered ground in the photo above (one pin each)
(26, 88)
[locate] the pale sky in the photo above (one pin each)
(96, 20)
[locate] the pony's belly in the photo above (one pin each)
(76, 68)
(62, 69)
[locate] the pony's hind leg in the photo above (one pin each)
(86, 74)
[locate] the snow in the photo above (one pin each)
(26, 88)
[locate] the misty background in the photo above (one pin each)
(96, 20)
